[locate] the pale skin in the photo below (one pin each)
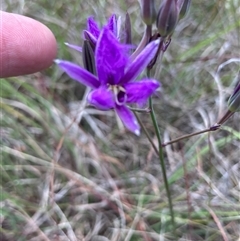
(26, 45)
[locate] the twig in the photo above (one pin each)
(212, 128)
(146, 133)
(216, 219)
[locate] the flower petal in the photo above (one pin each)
(112, 24)
(101, 98)
(119, 24)
(90, 37)
(128, 119)
(141, 62)
(111, 58)
(93, 27)
(78, 73)
(76, 47)
(139, 92)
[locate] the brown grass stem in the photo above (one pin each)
(213, 128)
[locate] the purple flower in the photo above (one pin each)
(114, 86)
(93, 31)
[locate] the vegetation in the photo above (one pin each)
(71, 172)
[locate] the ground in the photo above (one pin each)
(71, 172)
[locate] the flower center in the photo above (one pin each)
(119, 93)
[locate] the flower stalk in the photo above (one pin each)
(212, 128)
(161, 158)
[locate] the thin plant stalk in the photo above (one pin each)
(161, 157)
(213, 128)
(146, 133)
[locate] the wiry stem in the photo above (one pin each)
(146, 133)
(161, 157)
(213, 128)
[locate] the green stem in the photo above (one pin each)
(161, 158)
(212, 128)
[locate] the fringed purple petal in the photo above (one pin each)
(141, 62)
(78, 48)
(101, 98)
(128, 119)
(92, 27)
(139, 92)
(78, 73)
(111, 58)
(112, 24)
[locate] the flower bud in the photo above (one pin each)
(234, 100)
(90, 38)
(233, 105)
(167, 17)
(148, 11)
(88, 57)
(127, 30)
(183, 7)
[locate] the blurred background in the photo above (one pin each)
(71, 172)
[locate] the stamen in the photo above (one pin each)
(116, 91)
(120, 88)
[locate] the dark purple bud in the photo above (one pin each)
(233, 104)
(167, 17)
(88, 57)
(127, 28)
(183, 7)
(89, 37)
(148, 11)
(234, 100)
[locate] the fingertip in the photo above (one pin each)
(27, 46)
